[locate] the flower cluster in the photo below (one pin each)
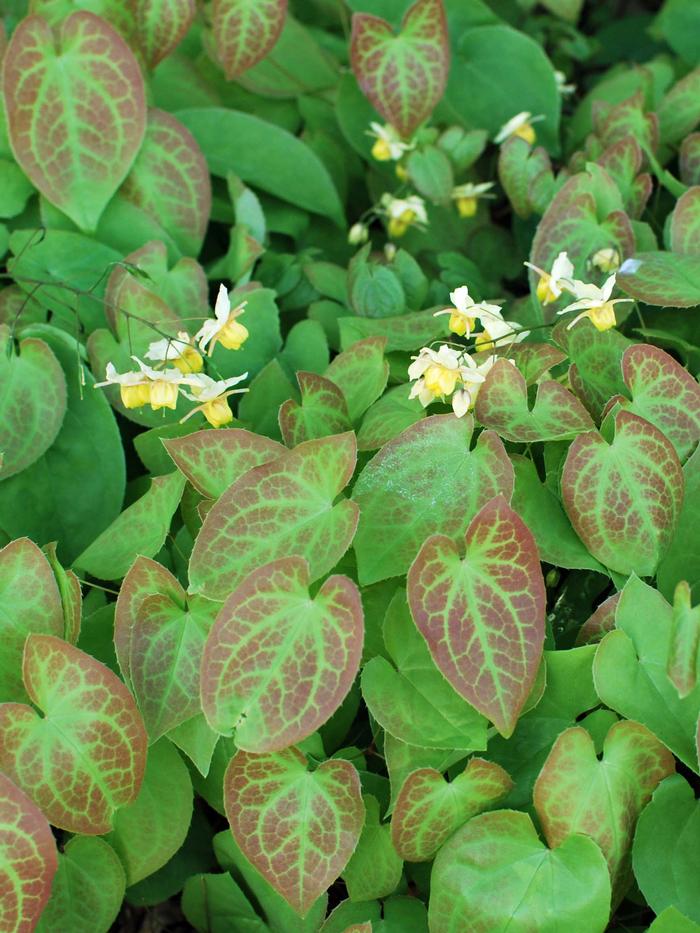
(446, 372)
(465, 312)
(160, 386)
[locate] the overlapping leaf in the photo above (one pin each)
(624, 498)
(286, 507)
(595, 372)
(298, 828)
(684, 224)
(323, 411)
(361, 373)
(483, 615)
(85, 757)
(669, 280)
(375, 868)
(277, 663)
(425, 481)
(70, 593)
(684, 647)
(402, 75)
(245, 31)
(682, 562)
(161, 25)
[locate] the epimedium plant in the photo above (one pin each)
(349, 476)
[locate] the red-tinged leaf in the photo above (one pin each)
(161, 25)
(425, 481)
(298, 828)
(85, 757)
(684, 229)
(403, 76)
(483, 616)
(245, 31)
(595, 372)
(361, 373)
(577, 793)
(624, 498)
(32, 401)
(286, 507)
(535, 359)
(169, 181)
(518, 166)
(277, 664)
(679, 111)
(689, 160)
(668, 280)
(56, 94)
(428, 809)
(30, 602)
(71, 595)
(612, 122)
(145, 578)
(684, 647)
(323, 411)
(212, 460)
(602, 621)
(28, 860)
(664, 393)
(502, 404)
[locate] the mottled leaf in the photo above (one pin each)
(298, 828)
(679, 109)
(387, 417)
(322, 411)
(245, 31)
(161, 25)
(483, 615)
(684, 223)
(595, 373)
(361, 373)
(84, 757)
(669, 280)
(599, 623)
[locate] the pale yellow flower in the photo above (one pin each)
(224, 328)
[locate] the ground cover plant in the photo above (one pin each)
(350, 480)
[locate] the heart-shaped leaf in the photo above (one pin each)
(29, 603)
(684, 229)
(387, 418)
(282, 508)
(425, 481)
(624, 498)
(428, 809)
(298, 828)
(85, 757)
(577, 793)
(375, 868)
(33, 404)
(28, 859)
(502, 404)
(361, 373)
(323, 411)
(161, 25)
(49, 87)
(660, 278)
(595, 372)
(483, 615)
(245, 31)
(494, 874)
(403, 76)
(277, 664)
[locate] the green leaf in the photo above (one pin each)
(85, 757)
(151, 829)
(403, 75)
(670, 824)
(265, 630)
(483, 616)
(577, 793)
(261, 317)
(495, 873)
(265, 156)
(197, 740)
(428, 809)
(374, 869)
(502, 404)
(660, 278)
(679, 110)
(425, 481)
(684, 224)
(595, 373)
(361, 373)
(680, 561)
(403, 332)
(684, 646)
(431, 172)
(673, 921)
(411, 700)
(140, 529)
(71, 595)
(215, 904)
(245, 31)
(387, 417)
(91, 66)
(282, 508)
(274, 805)
(374, 290)
(630, 671)
(599, 623)
(161, 25)
(28, 857)
(33, 402)
(88, 889)
(323, 411)
(624, 498)
(689, 159)
(15, 187)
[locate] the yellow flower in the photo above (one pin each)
(178, 350)
(388, 144)
(606, 260)
(594, 303)
(134, 388)
(403, 213)
(159, 388)
(465, 311)
(519, 125)
(224, 329)
(467, 196)
(552, 284)
(213, 396)
(445, 372)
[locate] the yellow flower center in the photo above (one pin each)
(460, 324)
(466, 206)
(401, 172)
(232, 335)
(545, 292)
(189, 361)
(163, 394)
(483, 341)
(603, 318)
(526, 132)
(381, 150)
(399, 225)
(135, 396)
(217, 412)
(440, 380)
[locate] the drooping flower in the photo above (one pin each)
(519, 125)
(606, 260)
(212, 395)
(552, 284)
(403, 213)
(163, 384)
(465, 311)
(224, 328)
(437, 374)
(388, 144)
(178, 350)
(134, 388)
(497, 332)
(358, 234)
(467, 196)
(594, 303)
(563, 88)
